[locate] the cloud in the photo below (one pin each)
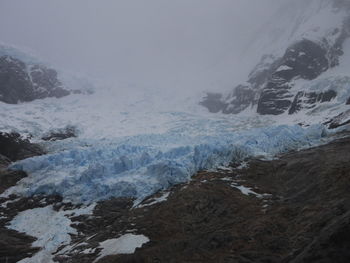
(165, 43)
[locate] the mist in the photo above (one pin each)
(182, 44)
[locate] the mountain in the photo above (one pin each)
(135, 174)
(23, 79)
(305, 48)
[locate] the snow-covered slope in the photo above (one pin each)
(299, 19)
(23, 77)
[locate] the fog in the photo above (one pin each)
(196, 44)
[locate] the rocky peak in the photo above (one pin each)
(20, 82)
(313, 49)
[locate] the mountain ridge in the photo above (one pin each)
(310, 48)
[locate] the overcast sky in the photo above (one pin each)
(147, 42)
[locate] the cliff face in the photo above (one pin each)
(303, 60)
(20, 82)
(311, 45)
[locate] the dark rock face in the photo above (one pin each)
(239, 100)
(213, 102)
(275, 98)
(236, 102)
(263, 71)
(308, 100)
(10, 178)
(45, 80)
(243, 96)
(306, 60)
(14, 81)
(340, 120)
(14, 147)
(21, 82)
(4, 161)
(15, 246)
(61, 134)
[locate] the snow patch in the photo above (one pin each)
(246, 190)
(125, 244)
(284, 68)
(51, 228)
(156, 200)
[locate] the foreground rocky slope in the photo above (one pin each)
(292, 209)
(14, 245)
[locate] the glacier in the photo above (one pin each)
(135, 141)
(138, 166)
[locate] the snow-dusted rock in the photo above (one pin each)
(20, 82)
(304, 40)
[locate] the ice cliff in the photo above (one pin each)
(140, 165)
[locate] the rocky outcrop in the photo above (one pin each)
(239, 100)
(13, 147)
(270, 86)
(305, 60)
(234, 103)
(340, 120)
(61, 134)
(308, 100)
(16, 246)
(213, 102)
(21, 82)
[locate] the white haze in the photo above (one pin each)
(182, 44)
